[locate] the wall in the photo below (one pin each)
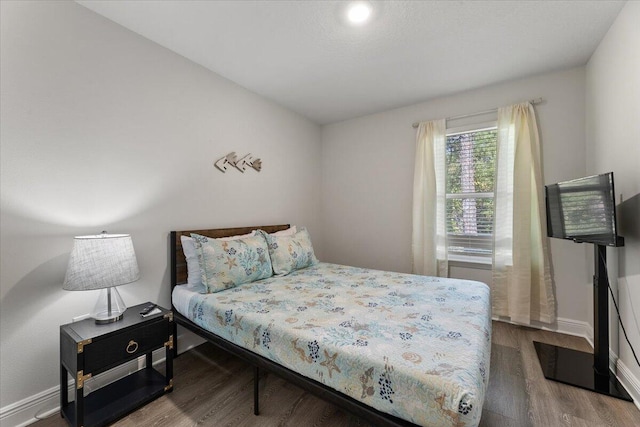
(104, 130)
(367, 179)
(613, 144)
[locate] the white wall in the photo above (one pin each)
(613, 144)
(104, 130)
(367, 178)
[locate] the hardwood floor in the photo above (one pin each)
(215, 389)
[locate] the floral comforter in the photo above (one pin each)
(416, 347)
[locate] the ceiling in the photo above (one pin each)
(305, 56)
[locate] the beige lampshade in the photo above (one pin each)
(101, 261)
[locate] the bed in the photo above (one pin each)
(395, 349)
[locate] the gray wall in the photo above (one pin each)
(367, 178)
(613, 144)
(104, 130)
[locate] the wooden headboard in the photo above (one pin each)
(179, 262)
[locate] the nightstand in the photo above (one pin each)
(87, 349)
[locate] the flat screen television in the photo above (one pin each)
(583, 210)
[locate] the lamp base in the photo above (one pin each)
(109, 308)
(104, 321)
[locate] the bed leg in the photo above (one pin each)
(256, 379)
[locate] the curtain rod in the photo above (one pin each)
(479, 113)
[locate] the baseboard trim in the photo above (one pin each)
(31, 409)
(629, 381)
(188, 340)
(563, 326)
(47, 403)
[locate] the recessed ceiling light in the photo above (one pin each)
(359, 12)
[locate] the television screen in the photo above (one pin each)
(583, 210)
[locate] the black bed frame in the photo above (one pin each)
(178, 276)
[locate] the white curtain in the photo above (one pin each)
(429, 239)
(522, 288)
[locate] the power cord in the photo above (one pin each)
(606, 270)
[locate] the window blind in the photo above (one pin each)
(470, 157)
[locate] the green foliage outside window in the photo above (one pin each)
(471, 159)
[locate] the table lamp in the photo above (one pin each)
(103, 262)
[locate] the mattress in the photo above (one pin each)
(415, 347)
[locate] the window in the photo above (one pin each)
(470, 171)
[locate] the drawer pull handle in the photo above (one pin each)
(132, 347)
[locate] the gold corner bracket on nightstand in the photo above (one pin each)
(82, 343)
(169, 316)
(81, 378)
(170, 386)
(170, 342)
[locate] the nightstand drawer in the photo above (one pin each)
(106, 353)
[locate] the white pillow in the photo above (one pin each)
(194, 271)
(288, 232)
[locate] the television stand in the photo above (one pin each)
(578, 368)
